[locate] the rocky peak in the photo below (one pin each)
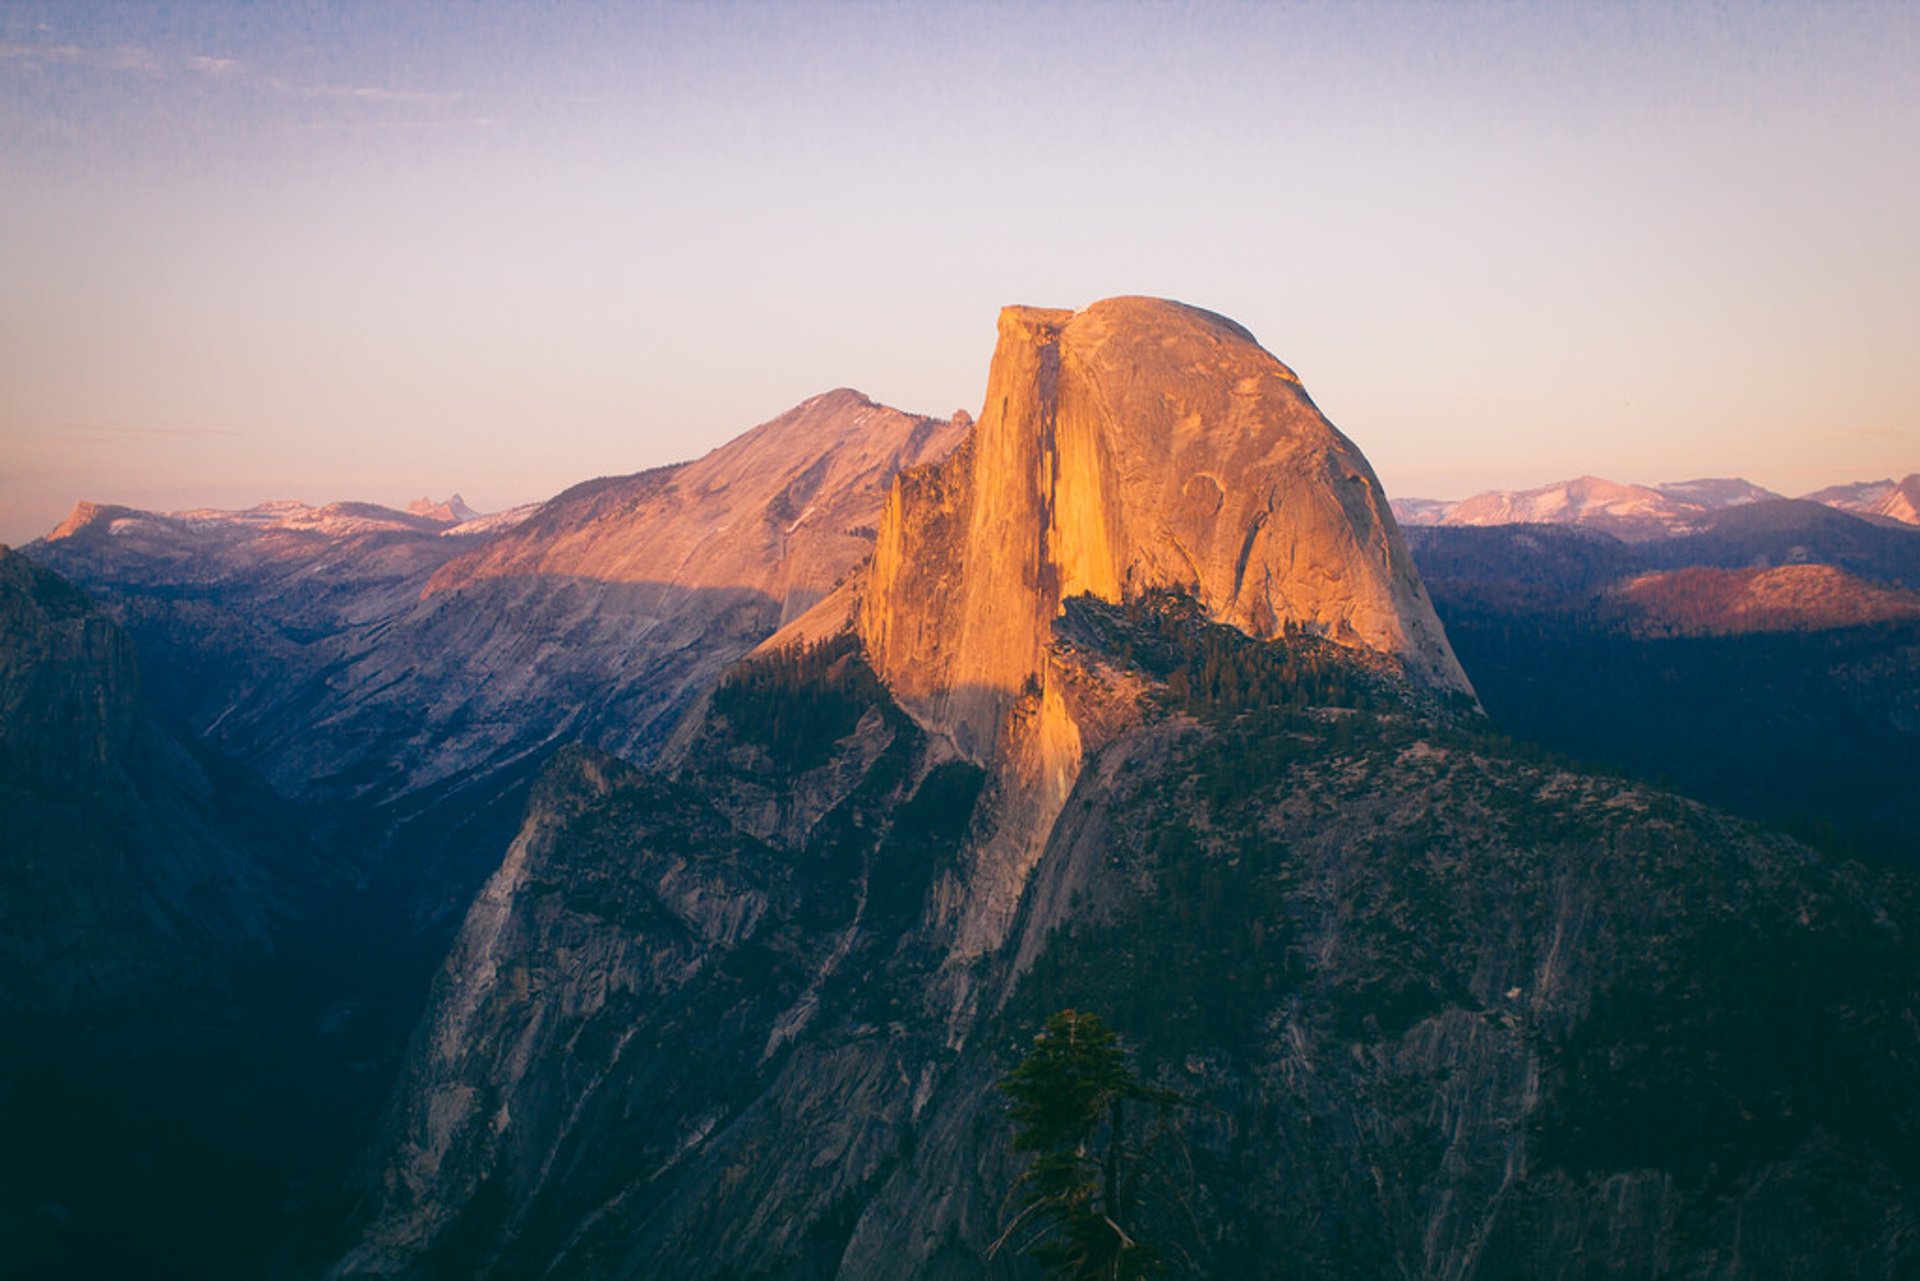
(1137, 444)
(454, 511)
(88, 517)
(784, 510)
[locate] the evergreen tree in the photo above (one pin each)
(1082, 1196)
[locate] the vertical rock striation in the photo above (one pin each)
(1136, 445)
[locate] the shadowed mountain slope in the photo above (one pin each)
(1438, 1010)
(1757, 673)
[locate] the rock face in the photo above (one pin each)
(1135, 446)
(1138, 444)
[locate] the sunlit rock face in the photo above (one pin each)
(1134, 445)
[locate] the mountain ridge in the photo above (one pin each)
(1639, 513)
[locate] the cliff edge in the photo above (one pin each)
(1137, 444)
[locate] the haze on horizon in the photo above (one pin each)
(375, 251)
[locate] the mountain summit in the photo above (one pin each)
(1135, 445)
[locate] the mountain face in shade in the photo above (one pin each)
(1769, 662)
(408, 724)
(133, 871)
(1437, 1012)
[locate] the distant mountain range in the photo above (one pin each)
(1640, 512)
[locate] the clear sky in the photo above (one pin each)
(384, 250)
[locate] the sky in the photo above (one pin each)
(383, 251)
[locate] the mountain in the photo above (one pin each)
(409, 680)
(454, 511)
(1421, 511)
(1894, 500)
(1704, 601)
(403, 717)
(784, 510)
(1135, 446)
(1769, 663)
(771, 802)
(304, 569)
(1638, 513)
(1437, 1011)
(1715, 493)
(1140, 708)
(1630, 512)
(1797, 532)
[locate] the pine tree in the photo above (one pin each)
(1081, 1197)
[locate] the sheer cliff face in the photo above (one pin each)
(1133, 445)
(1138, 444)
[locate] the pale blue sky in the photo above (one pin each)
(378, 251)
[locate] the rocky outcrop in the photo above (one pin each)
(1134, 446)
